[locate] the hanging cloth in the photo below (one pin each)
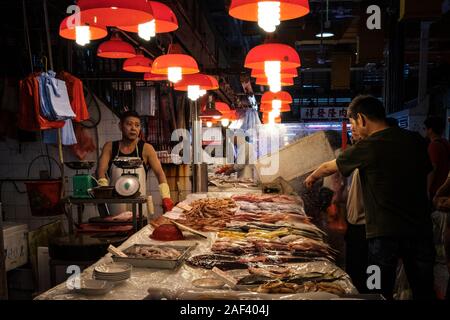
(68, 137)
(58, 97)
(30, 118)
(76, 96)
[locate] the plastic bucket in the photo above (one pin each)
(45, 195)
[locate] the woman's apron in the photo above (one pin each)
(116, 173)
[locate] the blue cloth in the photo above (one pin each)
(46, 108)
(54, 98)
(68, 137)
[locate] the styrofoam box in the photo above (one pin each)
(16, 244)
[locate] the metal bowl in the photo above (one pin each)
(80, 165)
(103, 192)
(128, 164)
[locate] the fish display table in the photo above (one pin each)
(146, 283)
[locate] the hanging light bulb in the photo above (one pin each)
(269, 15)
(272, 70)
(82, 35)
(175, 74)
(209, 124)
(225, 122)
(193, 92)
(275, 113)
(147, 30)
(276, 105)
(202, 93)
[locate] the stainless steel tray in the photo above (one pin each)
(155, 263)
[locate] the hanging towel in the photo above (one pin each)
(68, 137)
(57, 92)
(46, 109)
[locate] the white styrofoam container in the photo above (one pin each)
(296, 159)
(15, 237)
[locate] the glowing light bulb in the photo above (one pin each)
(175, 74)
(276, 105)
(193, 92)
(202, 93)
(225, 122)
(269, 15)
(209, 124)
(147, 30)
(83, 35)
(272, 69)
(217, 117)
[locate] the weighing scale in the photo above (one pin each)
(82, 182)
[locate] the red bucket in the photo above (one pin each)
(44, 197)
(45, 194)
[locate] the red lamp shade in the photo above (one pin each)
(148, 76)
(222, 107)
(116, 12)
(285, 73)
(204, 81)
(288, 56)
(265, 118)
(138, 64)
(248, 9)
(268, 97)
(116, 48)
(285, 82)
(266, 107)
(165, 19)
(162, 64)
(67, 28)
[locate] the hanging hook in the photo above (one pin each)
(44, 62)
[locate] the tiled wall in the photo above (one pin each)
(15, 159)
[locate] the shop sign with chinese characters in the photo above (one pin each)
(324, 113)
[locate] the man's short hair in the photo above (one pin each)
(435, 123)
(128, 114)
(368, 106)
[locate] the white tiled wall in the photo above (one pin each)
(15, 159)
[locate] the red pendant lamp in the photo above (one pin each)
(196, 85)
(267, 107)
(285, 82)
(283, 96)
(205, 82)
(148, 76)
(116, 48)
(285, 73)
(116, 12)
(268, 13)
(165, 19)
(68, 28)
(287, 55)
(265, 118)
(175, 64)
(139, 63)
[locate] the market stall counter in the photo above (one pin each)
(259, 247)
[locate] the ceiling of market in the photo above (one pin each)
(220, 42)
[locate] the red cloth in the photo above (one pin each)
(76, 96)
(30, 118)
(439, 152)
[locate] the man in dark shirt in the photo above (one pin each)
(439, 151)
(393, 164)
